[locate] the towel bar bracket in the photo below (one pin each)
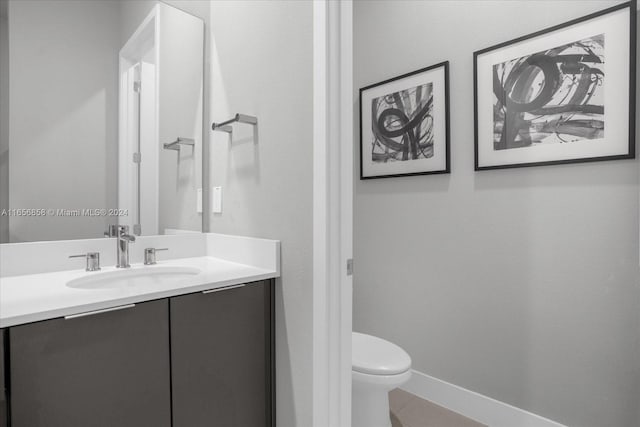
(175, 145)
(238, 118)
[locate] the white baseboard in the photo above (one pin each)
(473, 405)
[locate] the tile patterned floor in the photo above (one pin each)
(408, 410)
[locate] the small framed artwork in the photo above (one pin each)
(404, 125)
(562, 95)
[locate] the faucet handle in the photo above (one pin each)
(93, 260)
(112, 231)
(150, 255)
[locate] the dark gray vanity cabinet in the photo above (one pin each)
(103, 370)
(3, 383)
(222, 357)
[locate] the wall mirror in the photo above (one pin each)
(101, 108)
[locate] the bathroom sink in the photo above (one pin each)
(134, 277)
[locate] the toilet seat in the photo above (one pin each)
(375, 356)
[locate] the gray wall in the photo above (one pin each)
(4, 121)
(262, 64)
(519, 284)
(132, 12)
(64, 111)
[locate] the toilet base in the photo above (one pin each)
(370, 410)
(370, 398)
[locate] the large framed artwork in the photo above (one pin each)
(404, 125)
(562, 95)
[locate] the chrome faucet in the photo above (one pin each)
(123, 240)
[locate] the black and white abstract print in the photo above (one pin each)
(402, 125)
(553, 96)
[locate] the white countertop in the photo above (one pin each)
(34, 297)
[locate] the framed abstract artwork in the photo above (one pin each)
(562, 95)
(404, 125)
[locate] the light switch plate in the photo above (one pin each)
(199, 201)
(217, 200)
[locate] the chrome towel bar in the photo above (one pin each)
(239, 118)
(175, 145)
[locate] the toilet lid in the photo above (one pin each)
(375, 356)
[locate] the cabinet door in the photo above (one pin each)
(221, 357)
(103, 370)
(3, 391)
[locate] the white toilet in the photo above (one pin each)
(378, 367)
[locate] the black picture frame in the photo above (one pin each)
(442, 161)
(480, 144)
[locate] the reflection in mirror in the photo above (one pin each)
(92, 94)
